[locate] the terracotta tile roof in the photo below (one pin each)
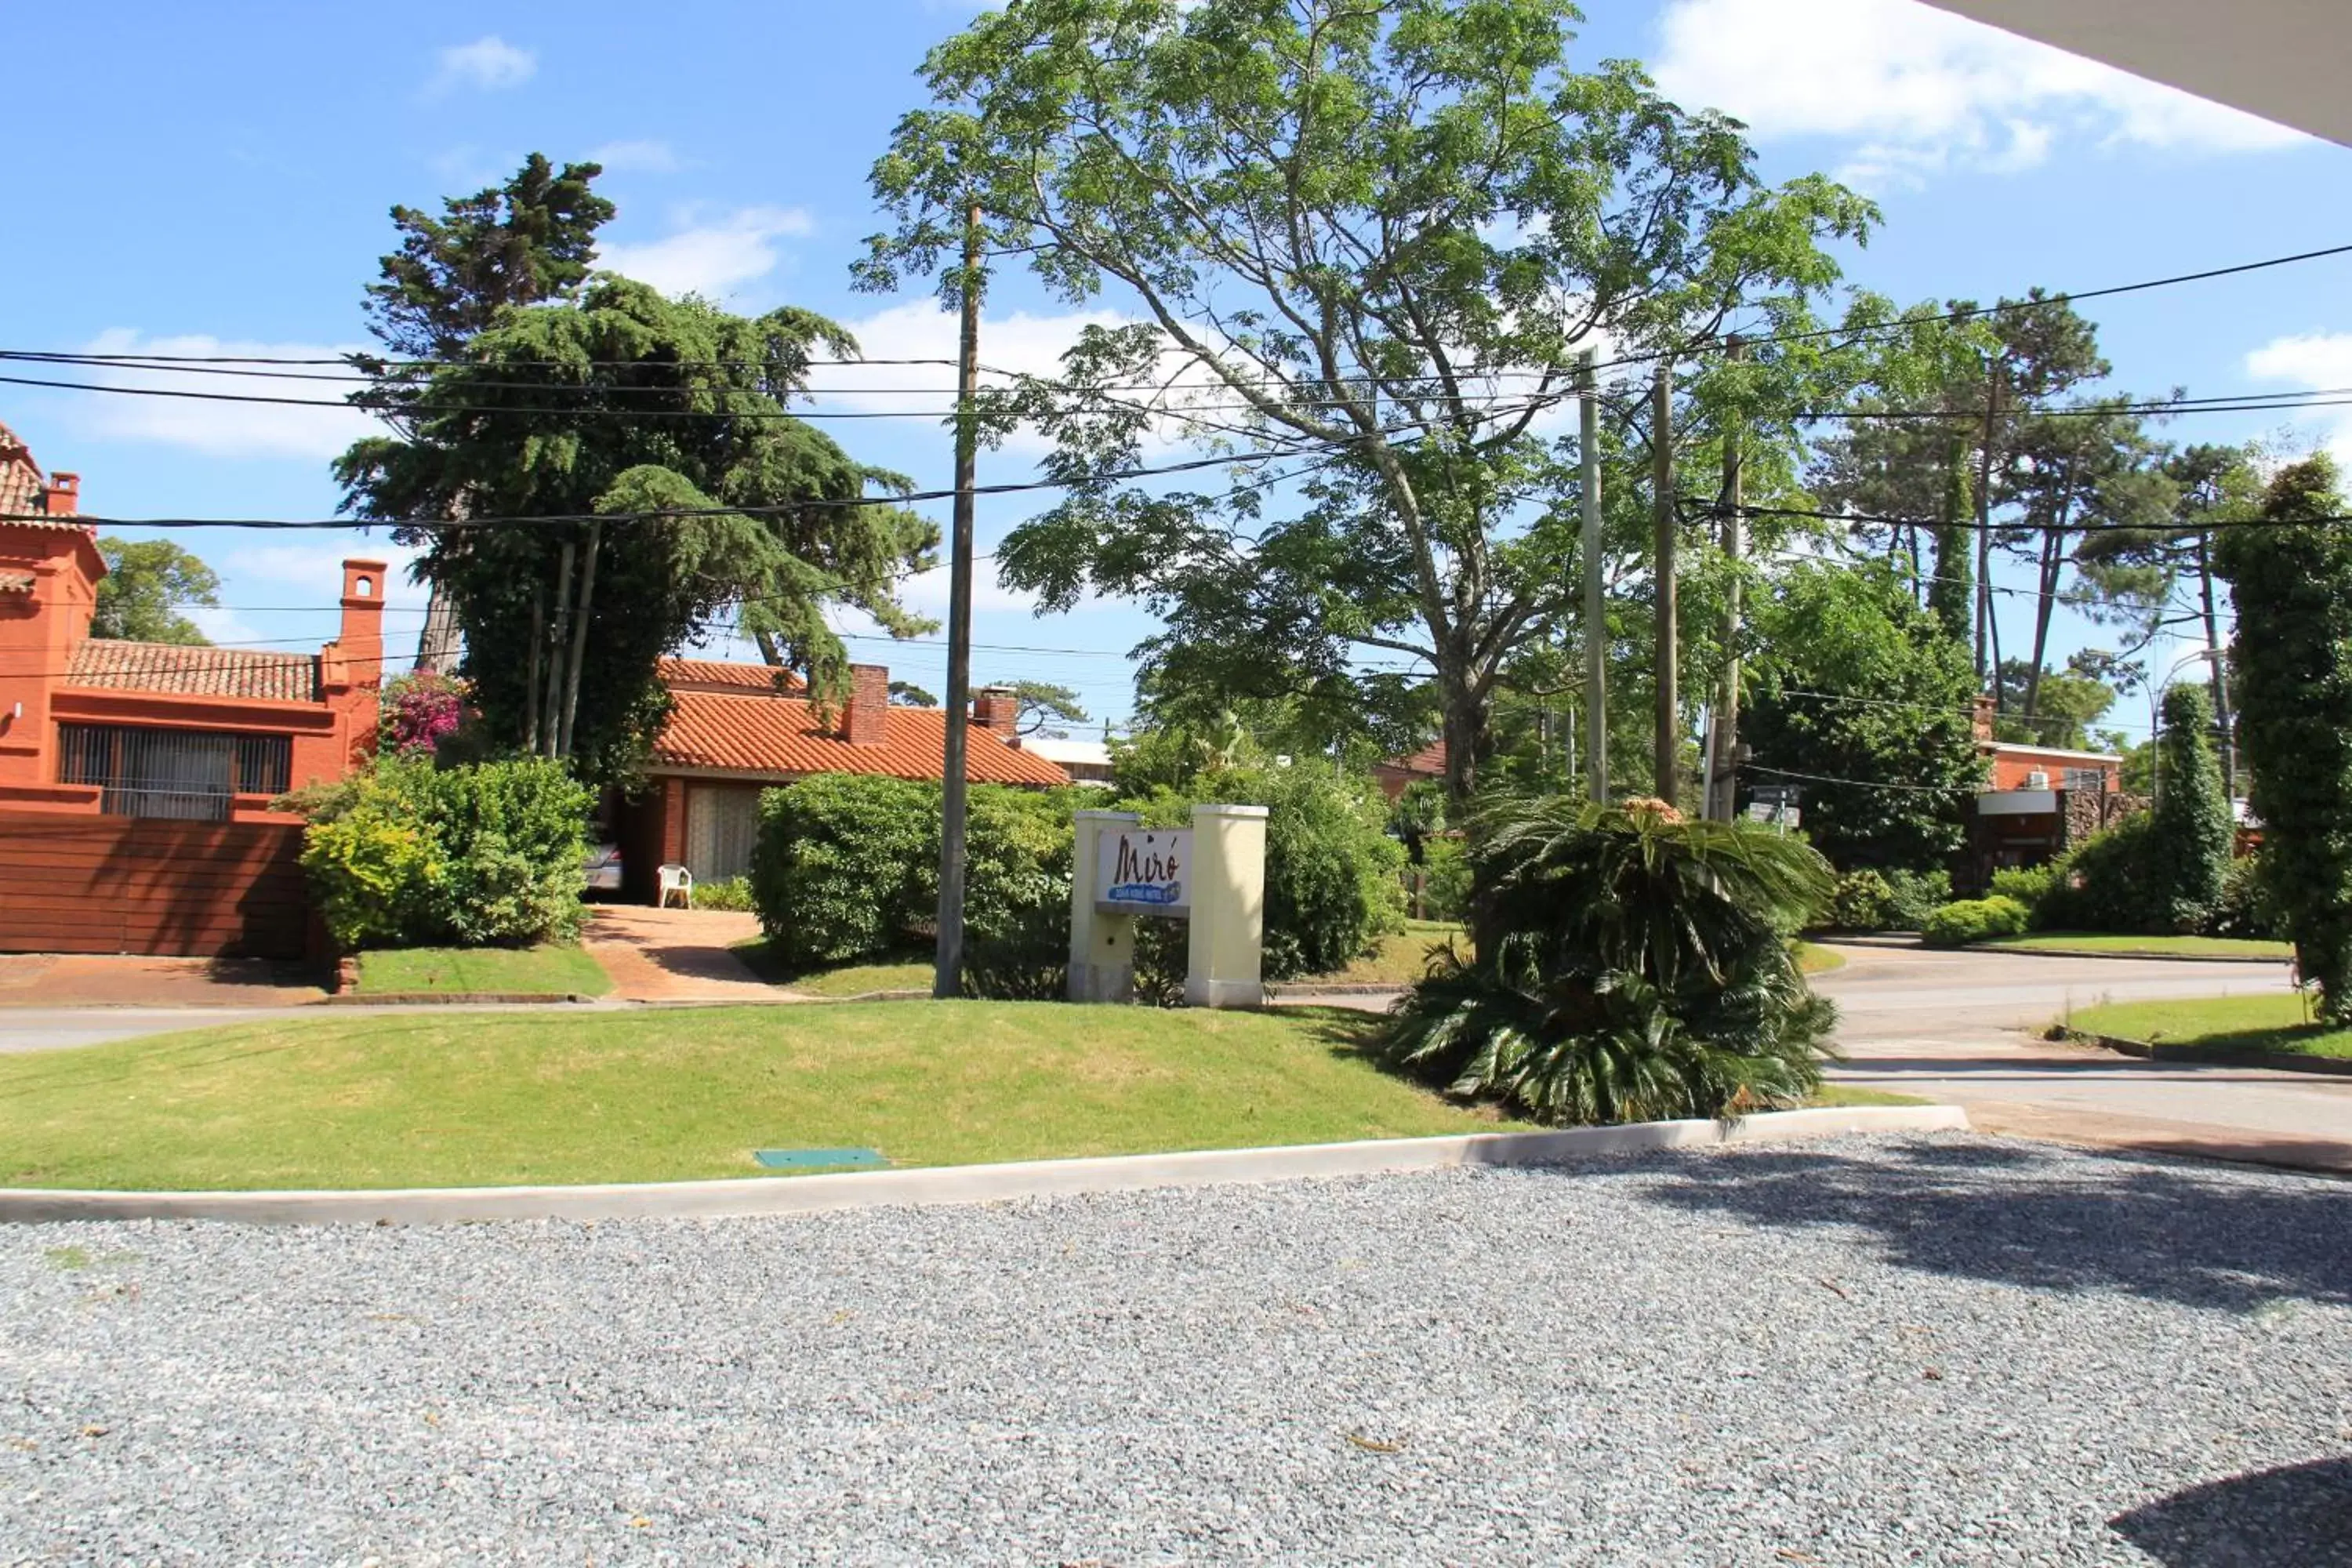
(1430, 760)
(681, 673)
(194, 671)
(779, 737)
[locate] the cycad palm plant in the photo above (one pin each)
(1637, 967)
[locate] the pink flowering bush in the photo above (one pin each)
(420, 711)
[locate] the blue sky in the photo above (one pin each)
(214, 179)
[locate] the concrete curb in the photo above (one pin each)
(2122, 957)
(964, 1184)
(2272, 1061)
(449, 998)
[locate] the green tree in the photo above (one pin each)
(2193, 832)
(2055, 708)
(1862, 703)
(527, 242)
(671, 414)
(912, 695)
(2291, 584)
(1041, 707)
(1373, 238)
(147, 581)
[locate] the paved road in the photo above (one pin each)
(1956, 1026)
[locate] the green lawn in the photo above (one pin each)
(2143, 946)
(1838, 1095)
(1812, 959)
(909, 971)
(322, 1100)
(550, 971)
(1400, 958)
(2220, 1023)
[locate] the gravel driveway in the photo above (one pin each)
(1925, 1350)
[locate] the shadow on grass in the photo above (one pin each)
(2296, 1517)
(2049, 1220)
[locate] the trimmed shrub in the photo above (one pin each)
(2107, 883)
(1917, 895)
(2246, 909)
(732, 894)
(1863, 901)
(406, 854)
(1016, 907)
(2190, 844)
(1640, 969)
(1973, 920)
(846, 867)
(2029, 885)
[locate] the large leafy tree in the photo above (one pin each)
(147, 583)
(1373, 238)
(2190, 843)
(669, 417)
(1862, 704)
(2290, 579)
(527, 242)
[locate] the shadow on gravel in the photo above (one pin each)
(2021, 1216)
(2299, 1517)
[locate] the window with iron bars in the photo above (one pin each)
(190, 775)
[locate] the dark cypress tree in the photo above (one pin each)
(2190, 839)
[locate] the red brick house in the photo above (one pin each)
(2038, 802)
(1398, 774)
(739, 729)
(135, 778)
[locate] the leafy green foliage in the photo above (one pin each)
(1642, 969)
(530, 240)
(145, 584)
(1862, 901)
(2247, 910)
(2028, 885)
(2193, 831)
(1856, 687)
(2109, 882)
(1445, 892)
(2291, 585)
(1917, 895)
(847, 867)
(1041, 707)
(404, 854)
(626, 401)
(1349, 219)
(1974, 920)
(732, 894)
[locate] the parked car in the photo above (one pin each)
(601, 869)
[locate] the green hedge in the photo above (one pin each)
(1974, 920)
(846, 869)
(406, 854)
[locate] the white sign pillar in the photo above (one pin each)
(1227, 894)
(1102, 941)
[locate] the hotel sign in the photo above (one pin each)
(1144, 871)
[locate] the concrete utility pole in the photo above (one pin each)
(1723, 768)
(1596, 604)
(947, 972)
(1666, 756)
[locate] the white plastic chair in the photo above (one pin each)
(673, 878)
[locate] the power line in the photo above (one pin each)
(1860, 783)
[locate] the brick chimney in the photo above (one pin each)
(61, 496)
(996, 707)
(359, 647)
(865, 718)
(1982, 725)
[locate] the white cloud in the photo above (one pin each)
(2312, 362)
(1922, 91)
(638, 157)
(205, 424)
(710, 257)
(489, 63)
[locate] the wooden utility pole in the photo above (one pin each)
(560, 640)
(947, 972)
(1984, 529)
(1723, 771)
(2221, 663)
(1596, 604)
(1666, 756)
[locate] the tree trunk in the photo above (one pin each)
(1986, 633)
(563, 637)
(530, 679)
(2052, 564)
(579, 640)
